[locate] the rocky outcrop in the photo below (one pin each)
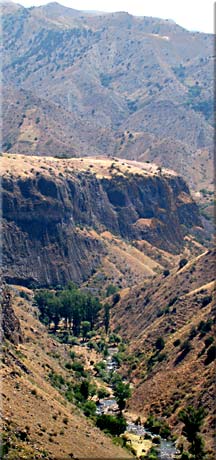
(52, 222)
(10, 324)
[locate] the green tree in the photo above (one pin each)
(193, 419)
(54, 312)
(85, 388)
(42, 298)
(106, 317)
(122, 392)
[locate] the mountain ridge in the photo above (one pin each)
(123, 83)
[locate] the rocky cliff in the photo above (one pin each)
(55, 210)
(10, 325)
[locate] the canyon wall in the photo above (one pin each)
(52, 219)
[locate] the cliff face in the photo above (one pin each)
(10, 324)
(54, 212)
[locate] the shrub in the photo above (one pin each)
(193, 333)
(77, 367)
(162, 357)
(204, 327)
(118, 357)
(211, 355)
(185, 349)
(34, 392)
(93, 345)
(153, 454)
(57, 380)
(158, 427)
(114, 425)
(115, 338)
(182, 263)
(69, 395)
(209, 341)
(160, 344)
(206, 300)
(68, 366)
(116, 298)
(100, 368)
(103, 393)
(186, 346)
(111, 289)
(24, 295)
(172, 301)
(72, 354)
(176, 342)
(89, 408)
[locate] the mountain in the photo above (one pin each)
(80, 219)
(168, 326)
(78, 83)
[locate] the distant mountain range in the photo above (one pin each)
(88, 83)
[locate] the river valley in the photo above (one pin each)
(137, 437)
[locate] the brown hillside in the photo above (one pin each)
(171, 307)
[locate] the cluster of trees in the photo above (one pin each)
(78, 309)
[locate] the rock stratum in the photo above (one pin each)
(56, 212)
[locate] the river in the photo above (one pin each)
(138, 433)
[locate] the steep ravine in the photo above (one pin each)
(135, 433)
(54, 211)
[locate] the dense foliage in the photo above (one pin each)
(111, 423)
(78, 309)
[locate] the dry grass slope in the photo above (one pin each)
(179, 308)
